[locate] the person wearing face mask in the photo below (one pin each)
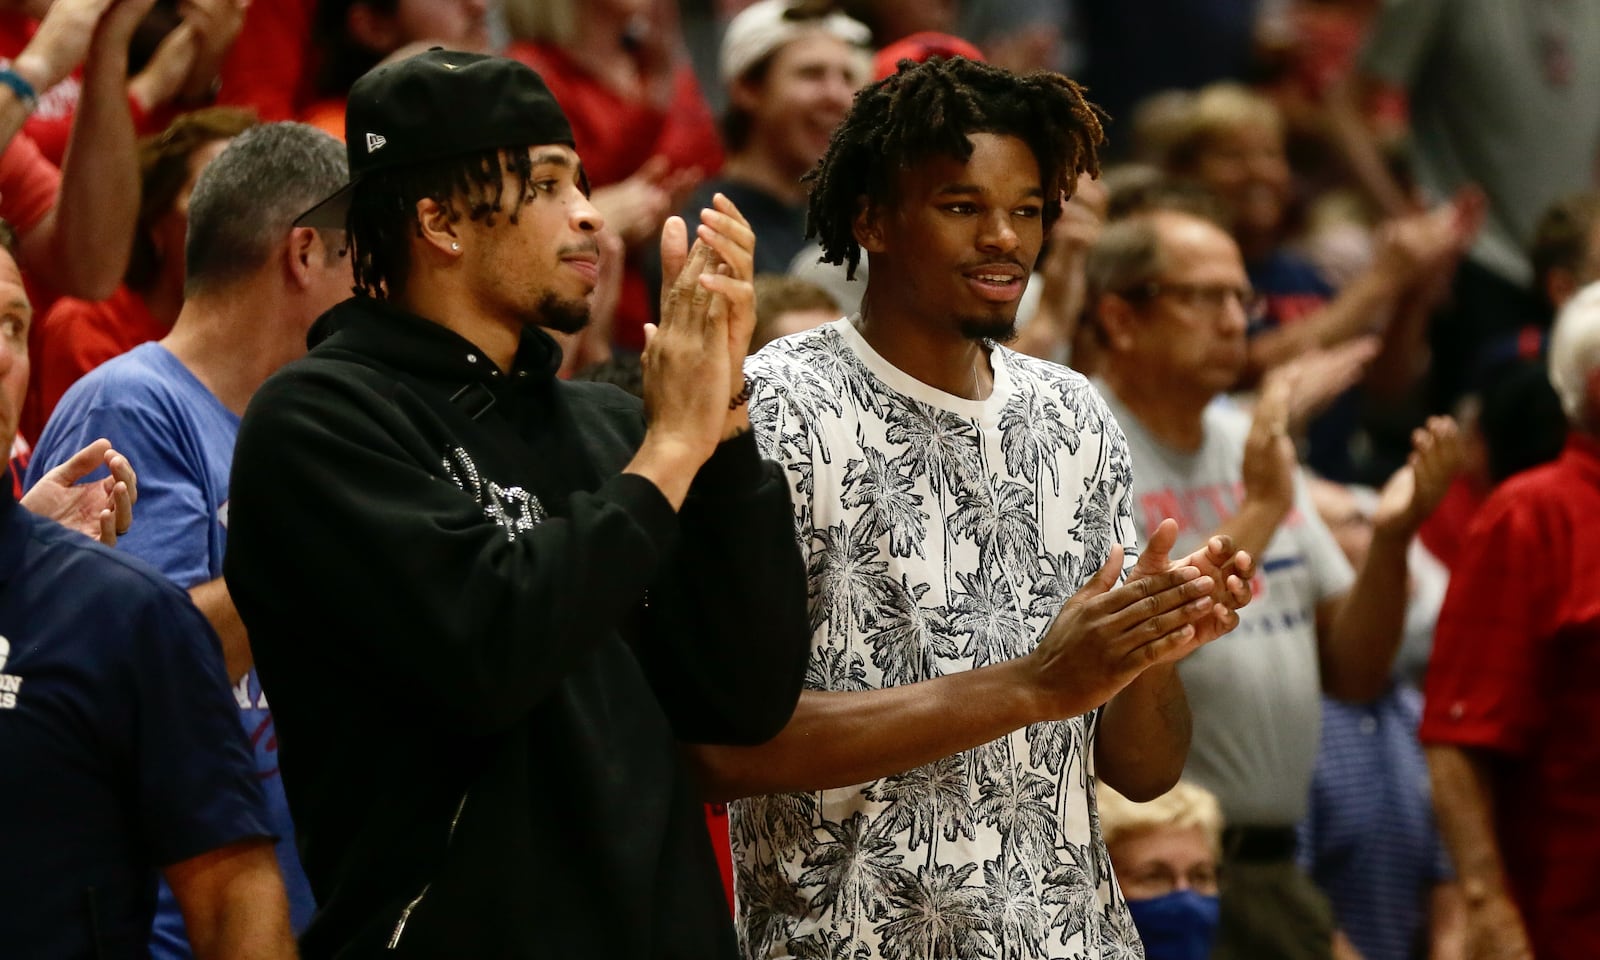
(1165, 854)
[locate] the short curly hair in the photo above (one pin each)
(929, 109)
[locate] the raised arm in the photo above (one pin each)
(81, 247)
(57, 48)
(1359, 632)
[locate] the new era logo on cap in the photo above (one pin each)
(375, 142)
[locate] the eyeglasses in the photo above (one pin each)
(1159, 879)
(1204, 296)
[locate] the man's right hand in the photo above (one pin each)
(1269, 455)
(687, 372)
(1106, 635)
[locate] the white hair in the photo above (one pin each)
(1575, 353)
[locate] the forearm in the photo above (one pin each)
(1404, 355)
(1447, 923)
(13, 114)
(93, 221)
(669, 464)
(1360, 148)
(1463, 801)
(233, 903)
(838, 739)
(1365, 630)
(1253, 526)
(216, 605)
(1143, 740)
(1364, 305)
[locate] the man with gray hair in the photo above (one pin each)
(255, 283)
(1511, 724)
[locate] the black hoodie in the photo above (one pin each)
(482, 645)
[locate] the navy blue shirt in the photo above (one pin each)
(1294, 289)
(120, 745)
(179, 437)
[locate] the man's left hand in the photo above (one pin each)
(1415, 490)
(101, 510)
(1228, 568)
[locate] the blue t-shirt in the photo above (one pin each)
(119, 753)
(179, 438)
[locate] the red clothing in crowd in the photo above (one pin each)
(28, 184)
(1514, 660)
(616, 135)
(1441, 533)
(50, 124)
(270, 67)
(76, 336)
(28, 187)
(717, 827)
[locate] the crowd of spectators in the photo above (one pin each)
(1332, 276)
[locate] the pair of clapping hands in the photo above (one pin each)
(694, 388)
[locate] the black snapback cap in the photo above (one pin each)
(439, 104)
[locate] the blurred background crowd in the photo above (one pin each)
(1412, 186)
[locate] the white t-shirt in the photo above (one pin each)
(940, 534)
(1255, 694)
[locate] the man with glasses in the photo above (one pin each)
(1172, 300)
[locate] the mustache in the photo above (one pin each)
(592, 248)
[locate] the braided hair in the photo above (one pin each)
(383, 210)
(929, 109)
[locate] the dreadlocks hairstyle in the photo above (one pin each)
(929, 109)
(383, 209)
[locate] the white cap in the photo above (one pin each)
(763, 27)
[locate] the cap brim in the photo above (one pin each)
(330, 213)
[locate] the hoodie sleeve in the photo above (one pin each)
(470, 618)
(727, 641)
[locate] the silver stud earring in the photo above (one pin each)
(455, 246)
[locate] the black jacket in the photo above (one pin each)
(482, 645)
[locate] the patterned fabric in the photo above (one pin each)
(941, 535)
(1369, 839)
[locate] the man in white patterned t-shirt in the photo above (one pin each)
(965, 512)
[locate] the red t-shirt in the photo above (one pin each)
(615, 136)
(1441, 533)
(29, 183)
(74, 337)
(1515, 658)
(269, 67)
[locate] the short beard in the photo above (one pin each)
(991, 328)
(560, 315)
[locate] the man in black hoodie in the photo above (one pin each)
(487, 605)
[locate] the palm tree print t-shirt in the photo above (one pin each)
(940, 534)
